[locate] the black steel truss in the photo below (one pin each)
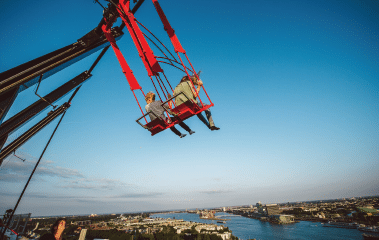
(32, 131)
(33, 110)
(28, 74)
(17, 79)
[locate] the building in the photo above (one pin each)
(272, 209)
(283, 219)
(82, 223)
(260, 208)
(207, 214)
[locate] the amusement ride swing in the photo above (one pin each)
(22, 77)
(186, 110)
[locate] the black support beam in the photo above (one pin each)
(33, 110)
(17, 79)
(32, 131)
(27, 74)
(6, 101)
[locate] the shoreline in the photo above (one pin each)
(217, 219)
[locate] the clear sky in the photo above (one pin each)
(295, 87)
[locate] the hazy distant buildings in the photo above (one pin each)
(271, 212)
(82, 223)
(283, 219)
(260, 208)
(272, 209)
(207, 214)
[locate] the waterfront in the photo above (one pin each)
(246, 228)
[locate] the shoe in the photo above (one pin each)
(191, 132)
(214, 128)
(183, 135)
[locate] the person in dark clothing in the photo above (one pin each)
(155, 109)
(56, 230)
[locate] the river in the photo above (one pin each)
(248, 228)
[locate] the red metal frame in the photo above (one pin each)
(170, 31)
(133, 83)
(189, 108)
(144, 50)
(183, 111)
(177, 46)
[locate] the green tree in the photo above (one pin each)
(215, 237)
(206, 237)
(193, 230)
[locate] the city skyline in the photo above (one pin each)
(295, 88)
(221, 208)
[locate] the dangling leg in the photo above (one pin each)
(210, 124)
(202, 118)
(209, 117)
(174, 130)
(185, 127)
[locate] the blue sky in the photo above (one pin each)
(295, 88)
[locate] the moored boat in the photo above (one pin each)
(369, 229)
(341, 225)
(368, 236)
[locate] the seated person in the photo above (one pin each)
(56, 230)
(156, 108)
(185, 86)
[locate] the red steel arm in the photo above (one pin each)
(151, 64)
(170, 31)
(133, 83)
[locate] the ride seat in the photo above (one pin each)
(156, 126)
(183, 111)
(186, 110)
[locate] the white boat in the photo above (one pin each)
(369, 229)
(341, 225)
